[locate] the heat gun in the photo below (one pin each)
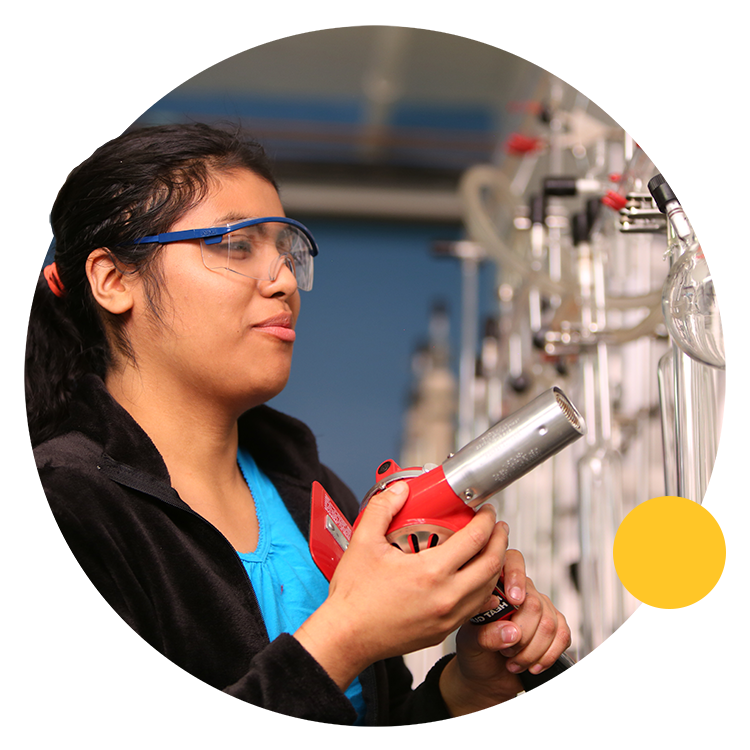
(444, 498)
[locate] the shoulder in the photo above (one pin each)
(68, 465)
(69, 470)
(74, 471)
(67, 450)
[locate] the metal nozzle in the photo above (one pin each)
(513, 447)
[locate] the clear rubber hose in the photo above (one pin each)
(484, 178)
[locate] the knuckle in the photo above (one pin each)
(443, 608)
(533, 604)
(567, 640)
(548, 627)
(566, 637)
(378, 502)
(431, 573)
(477, 535)
(494, 567)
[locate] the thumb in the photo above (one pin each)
(380, 510)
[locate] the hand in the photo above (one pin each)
(490, 657)
(383, 602)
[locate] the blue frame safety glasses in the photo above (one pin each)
(255, 248)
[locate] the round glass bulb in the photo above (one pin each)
(694, 304)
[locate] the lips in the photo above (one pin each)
(279, 326)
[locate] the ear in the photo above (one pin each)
(112, 289)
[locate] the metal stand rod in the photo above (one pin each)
(469, 338)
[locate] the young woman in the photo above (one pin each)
(165, 323)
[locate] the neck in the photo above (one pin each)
(197, 438)
(195, 434)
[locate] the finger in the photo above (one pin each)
(535, 657)
(478, 550)
(541, 646)
(514, 577)
(469, 541)
(527, 618)
(561, 642)
(380, 510)
(482, 572)
(533, 649)
(497, 636)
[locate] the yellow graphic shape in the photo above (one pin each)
(669, 552)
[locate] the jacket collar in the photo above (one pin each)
(95, 414)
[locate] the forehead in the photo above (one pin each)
(232, 196)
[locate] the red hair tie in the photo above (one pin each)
(53, 280)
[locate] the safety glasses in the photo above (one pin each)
(255, 248)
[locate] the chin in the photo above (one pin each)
(260, 394)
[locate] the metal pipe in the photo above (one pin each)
(469, 335)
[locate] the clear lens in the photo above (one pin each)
(260, 251)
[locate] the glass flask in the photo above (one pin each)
(691, 310)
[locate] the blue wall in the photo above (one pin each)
(375, 284)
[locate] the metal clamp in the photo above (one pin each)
(391, 478)
(641, 215)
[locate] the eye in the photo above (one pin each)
(285, 242)
(238, 246)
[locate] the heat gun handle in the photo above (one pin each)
(550, 696)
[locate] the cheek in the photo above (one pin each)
(207, 306)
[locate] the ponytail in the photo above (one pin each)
(57, 355)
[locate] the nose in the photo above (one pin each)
(282, 278)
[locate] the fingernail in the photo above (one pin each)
(399, 488)
(505, 526)
(508, 634)
(536, 669)
(511, 666)
(515, 593)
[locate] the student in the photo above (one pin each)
(153, 347)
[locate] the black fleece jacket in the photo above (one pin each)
(177, 581)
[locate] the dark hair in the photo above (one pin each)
(136, 185)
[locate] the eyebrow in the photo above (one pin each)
(232, 218)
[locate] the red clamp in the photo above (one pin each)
(614, 200)
(519, 145)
